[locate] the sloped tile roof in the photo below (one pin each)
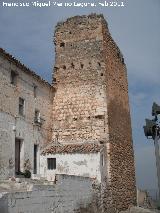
(72, 148)
(22, 66)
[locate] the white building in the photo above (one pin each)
(25, 109)
(72, 159)
(25, 119)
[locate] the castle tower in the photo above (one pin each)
(91, 102)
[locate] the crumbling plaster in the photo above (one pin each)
(13, 125)
(86, 165)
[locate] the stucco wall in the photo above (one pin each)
(7, 140)
(13, 125)
(86, 165)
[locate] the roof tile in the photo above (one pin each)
(72, 148)
(22, 66)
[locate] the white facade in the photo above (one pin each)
(86, 165)
(22, 138)
(21, 133)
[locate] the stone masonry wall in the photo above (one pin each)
(79, 105)
(91, 103)
(120, 149)
(13, 125)
(69, 194)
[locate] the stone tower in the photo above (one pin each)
(91, 102)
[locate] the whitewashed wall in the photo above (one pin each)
(67, 195)
(87, 165)
(11, 128)
(13, 125)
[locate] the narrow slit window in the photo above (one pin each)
(13, 78)
(102, 160)
(37, 118)
(72, 65)
(62, 44)
(99, 64)
(64, 67)
(35, 91)
(21, 106)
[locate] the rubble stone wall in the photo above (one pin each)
(91, 102)
(79, 104)
(120, 148)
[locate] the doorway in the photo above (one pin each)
(18, 155)
(35, 158)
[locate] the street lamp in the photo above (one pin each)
(152, 130)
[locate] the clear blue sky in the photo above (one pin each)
(27, 33)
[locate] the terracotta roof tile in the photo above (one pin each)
(22, 66)
(72, 148)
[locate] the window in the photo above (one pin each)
(99, 116)
(62, 44)
(64, 67)
(13, 78)
(99, 64)
(51, 163)
(72, 65)
(102, 160)
(37, 118)
(54, 80)
(21, 106)
(35, 91)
